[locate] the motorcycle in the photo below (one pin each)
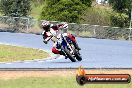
(67, 47)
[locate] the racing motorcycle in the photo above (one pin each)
(67, 47)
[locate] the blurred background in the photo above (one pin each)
(103, 19)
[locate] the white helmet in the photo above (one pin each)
(45, 23)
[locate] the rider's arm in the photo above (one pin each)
(46, 36)
(63, 27)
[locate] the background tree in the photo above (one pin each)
(120, 20)
(37, 2)
(51, 2)
(63, 10)
(15, 7)
(122, 16)
(120, 5)
(87, 2)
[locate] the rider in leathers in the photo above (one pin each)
(52, 31)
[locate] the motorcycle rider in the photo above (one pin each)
(53, 30)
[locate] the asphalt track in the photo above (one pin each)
(96, 53)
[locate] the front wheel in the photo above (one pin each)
(77, 55)
(69, 55)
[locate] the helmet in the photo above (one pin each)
(45, 23)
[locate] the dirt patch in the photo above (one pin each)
(64, 73)
(18, 74)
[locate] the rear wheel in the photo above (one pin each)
(69, 55)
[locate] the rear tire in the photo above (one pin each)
(69, 55)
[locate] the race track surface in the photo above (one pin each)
(96, 53)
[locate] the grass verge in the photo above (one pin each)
(55, 79)
(54, 82)
(13, 53)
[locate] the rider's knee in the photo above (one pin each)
(55, 51)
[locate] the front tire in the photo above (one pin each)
(77, 55)
(69, 55)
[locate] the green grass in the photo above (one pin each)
(54, 82)
(13, 53)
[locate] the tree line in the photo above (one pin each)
(66, 10)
